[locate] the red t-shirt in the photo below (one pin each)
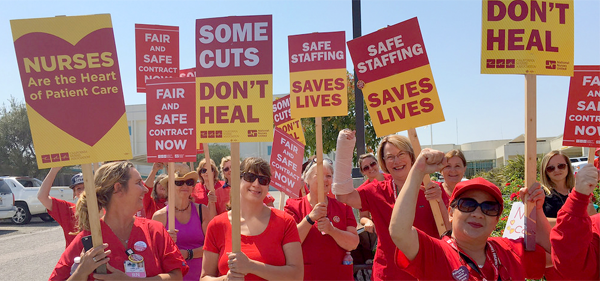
(438, 260)
(160, 256)
(266, 247)
(151, 205)
(379, 198)
(322, 255)
(63, 212)
(223, 197)
(200, 193)
(576, 239)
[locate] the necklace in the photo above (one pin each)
(124, 241)
(183, 210)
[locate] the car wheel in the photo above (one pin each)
(46, 218)
(22, 216)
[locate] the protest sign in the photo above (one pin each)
(582, 124)
(156, 53)
(318, 74)
(286, 163)
(234, 79)
(190, 72)
(396, 79)
(527, 37)
(72, 88)
(171, 115)
(515, 223)
(282, 118)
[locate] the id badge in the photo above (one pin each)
(135, 270)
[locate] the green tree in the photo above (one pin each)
(17, 155)
(217, 152)
(333, 125)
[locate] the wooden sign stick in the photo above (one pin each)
(591, 155)
(530, 158)
(281, 200)
(208, 167)
(319, 137)
(441, 221)
(171, 194)
(236, 234)
(93, 212)
(191, 166)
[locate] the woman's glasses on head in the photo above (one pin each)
(189, 182)
(560, 166)
(251, 177)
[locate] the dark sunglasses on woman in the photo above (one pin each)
(469, 205)
(560, 166)
(189, 182)
(203, 170)
(226, 169)
(250, 177)
(367, 167)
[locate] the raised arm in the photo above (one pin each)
(403, 234)
(150, 179)
(44, 192)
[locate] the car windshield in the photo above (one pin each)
(4, 188)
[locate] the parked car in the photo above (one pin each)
(7, 201)
(25, 191)
(578, 159)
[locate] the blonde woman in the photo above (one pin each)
(132, 246)
(200, 194)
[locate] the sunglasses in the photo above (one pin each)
(469, 205)
(226, 169)
(560, 166)
(367, 167)
(250, 177)
(189, 182)
(203, 170)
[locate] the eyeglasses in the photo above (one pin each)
(315, 161)
(250, 177)
(400, 155)
(203, 170)
(367, 167)
(469, 205)
(560, 166)
(226, 169)
(189, 182)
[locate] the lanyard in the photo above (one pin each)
(490, 255)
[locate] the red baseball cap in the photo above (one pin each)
(477, 184)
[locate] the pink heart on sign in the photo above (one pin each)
(461, 274)
(86, 117)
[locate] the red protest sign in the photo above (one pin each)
(234, 46)
(281, 110)
(156, 53)
(316, 51)
(190, 72)
(583, 108)
(286, 163)
(171, 115)
(388, 51)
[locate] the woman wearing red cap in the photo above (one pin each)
(468, 253)
(576, 237)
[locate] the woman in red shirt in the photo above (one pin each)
(468, 253)
(369, 168)
(134, 247)
(327, 230)
(270, 243)
(201, 190)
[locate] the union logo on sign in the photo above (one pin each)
(550, 64)
(491, 63)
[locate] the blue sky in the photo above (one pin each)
(477, 107)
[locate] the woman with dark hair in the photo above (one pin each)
(156, 199)
(557, 178)
(132, 246)
(328, 229)
(270, 245)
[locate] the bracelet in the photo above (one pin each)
(309, 220)
(190, 254)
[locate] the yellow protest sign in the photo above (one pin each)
(527, 37)
(70, 75)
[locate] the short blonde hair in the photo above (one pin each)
(400, 142)
(212, 165)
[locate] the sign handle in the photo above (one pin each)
(236, 234)
(530, 158)
(171, 196)
(92, 206)
(591, 155)
(208, 167)
(319, 138)
(281, 200)
(440, 221)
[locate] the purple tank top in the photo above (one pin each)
(190, 236)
